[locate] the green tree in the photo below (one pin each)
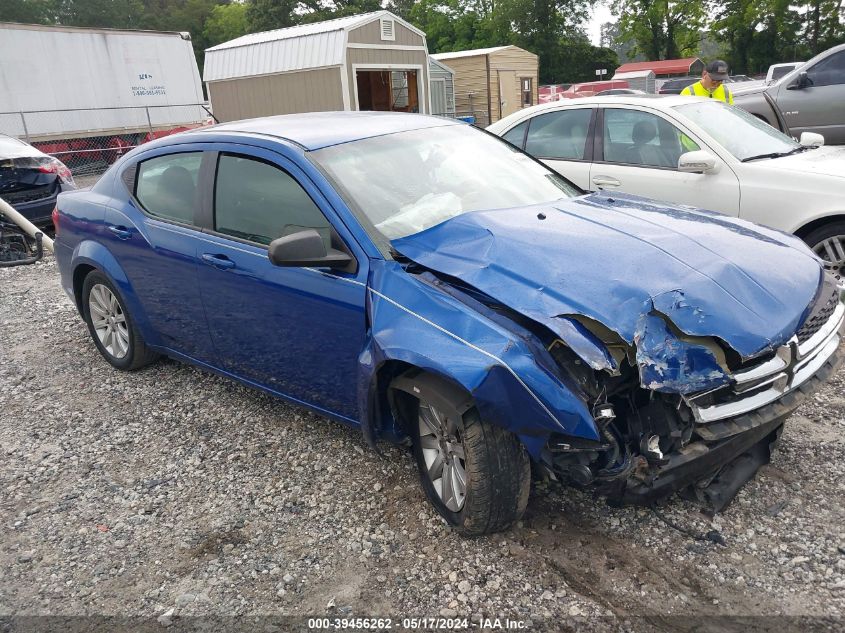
(266, 15)
(226, 22)
(452, 25)
(26, 11)
(115, 14)
(824, 24)
(661, 29)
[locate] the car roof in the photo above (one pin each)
(650, 100)
(633, 99)
(316, 130)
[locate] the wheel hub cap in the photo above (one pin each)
(109, 321)
(444, 456)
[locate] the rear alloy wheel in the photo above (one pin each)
(111, 326)
(476, 474)
(108, 321)
(828, 242)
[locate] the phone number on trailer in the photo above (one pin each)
(381, 624)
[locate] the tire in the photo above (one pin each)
(493, 463)
(828, 242)
(111, 328)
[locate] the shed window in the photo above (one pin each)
(527, 92)
(387, 30)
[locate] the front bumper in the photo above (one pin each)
(723, 443)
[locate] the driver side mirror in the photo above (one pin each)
(306, 248)
(811, 139)
(697, 162)
(802, 82)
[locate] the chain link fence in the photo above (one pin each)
(89, 140)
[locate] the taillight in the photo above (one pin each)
(55, 216)
(64, 173)
(55, 166)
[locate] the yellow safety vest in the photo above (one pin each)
(697, 90)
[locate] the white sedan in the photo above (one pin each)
(696, 152)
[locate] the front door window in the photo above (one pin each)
(632, 137)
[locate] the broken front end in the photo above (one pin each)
(685, 413)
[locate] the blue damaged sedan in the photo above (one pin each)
(434, 286)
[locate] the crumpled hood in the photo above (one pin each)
(616, 259)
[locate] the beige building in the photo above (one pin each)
(491, 83)
(373, 61)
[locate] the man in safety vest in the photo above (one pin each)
(711, 83)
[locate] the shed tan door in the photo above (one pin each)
(508, 93)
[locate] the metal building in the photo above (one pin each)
(491, 83)
(442, 85)
(372, 61)
(638, 80)
(667, 68)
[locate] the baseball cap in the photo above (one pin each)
(717, 69)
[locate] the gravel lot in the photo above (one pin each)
(170, 492)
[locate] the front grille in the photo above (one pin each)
(792, 365)
(820, 314)
(29, 195)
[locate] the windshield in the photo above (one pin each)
(739, 132)
(401, 184)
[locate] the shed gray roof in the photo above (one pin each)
(441, 65)
(298, 47)
(634, 74)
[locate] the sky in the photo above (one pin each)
(601, 14)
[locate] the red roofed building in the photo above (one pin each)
(667, 67)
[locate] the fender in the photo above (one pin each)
(91, 253)
(498, 370)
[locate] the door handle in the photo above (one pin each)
(605, 181)
(121, 232)
(218, 261)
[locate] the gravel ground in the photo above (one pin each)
(170, 492)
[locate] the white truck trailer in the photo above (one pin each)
(59, 82)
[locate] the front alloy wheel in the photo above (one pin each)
(828, 242)
(832, 251)
(476, 474)
(443, 453)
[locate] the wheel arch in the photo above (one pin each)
(89, 256)
(809, 227)
(398, 385)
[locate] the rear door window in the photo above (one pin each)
(559, 135)
(167, 186)
(258, 202)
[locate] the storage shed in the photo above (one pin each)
(638, 80)
(666, 68)
(442, 88)
(491, 83)
(372, 61)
